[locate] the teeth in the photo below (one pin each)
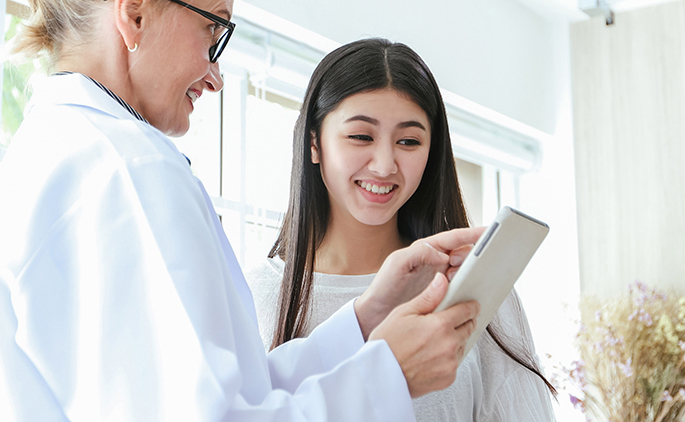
(381, 190)
(192, 95)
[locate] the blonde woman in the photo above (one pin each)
(120, 297)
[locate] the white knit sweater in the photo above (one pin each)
(489, 386)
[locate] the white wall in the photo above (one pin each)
(550, 287)
(504, 56)
(493, 52)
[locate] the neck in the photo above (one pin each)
(111, 69)
(353, 248)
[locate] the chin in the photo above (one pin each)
(177, 131)
(374, 220)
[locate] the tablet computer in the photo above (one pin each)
(494, 264)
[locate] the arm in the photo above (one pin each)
(126, 308)
(522, 398)
(427, 347)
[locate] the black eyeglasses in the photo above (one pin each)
(218, 47)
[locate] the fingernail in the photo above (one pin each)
(456, 260)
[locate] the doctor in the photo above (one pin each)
(120, 297)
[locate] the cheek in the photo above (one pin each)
(339, 163)
(190, 64)
(413, 170)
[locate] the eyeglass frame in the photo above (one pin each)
(218, 48)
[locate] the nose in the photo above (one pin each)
(383, 161)
(213, 79)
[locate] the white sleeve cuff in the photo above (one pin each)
(339, 337)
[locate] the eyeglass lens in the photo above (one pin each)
(218, 48)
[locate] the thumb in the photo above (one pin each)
(431, 297)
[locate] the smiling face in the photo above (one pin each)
(372, 152)
(172, 69)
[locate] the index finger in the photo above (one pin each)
(460, 313)
(454, 239)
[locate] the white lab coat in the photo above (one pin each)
(121, 299)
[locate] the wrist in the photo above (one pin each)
(369, 315)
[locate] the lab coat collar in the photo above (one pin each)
(74, 89)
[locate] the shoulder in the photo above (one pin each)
(70, 145)
(265, 275)
(67, 159)
(74, 115)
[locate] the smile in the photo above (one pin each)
(379, 190)
(193, 95)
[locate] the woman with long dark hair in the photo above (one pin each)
(373, 171)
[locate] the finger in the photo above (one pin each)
(454, 239)
(458, 255)
(468, 327)
(463, 333)
(431, 296)
(418, 254)
(459, 314)
(428, 255)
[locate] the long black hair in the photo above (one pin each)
(436, 205)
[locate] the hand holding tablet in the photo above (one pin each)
(494, 264)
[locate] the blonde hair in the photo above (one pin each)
(54, 24)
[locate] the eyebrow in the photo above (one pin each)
(375, 122)
(411, 123)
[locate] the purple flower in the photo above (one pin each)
(666, 396)
(640, 290)
(576, 402)
(646, 318)
(598, 316)
(577, 373)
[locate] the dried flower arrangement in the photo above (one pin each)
(632, 350)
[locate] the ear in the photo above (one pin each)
(129, 20)
(315, 149)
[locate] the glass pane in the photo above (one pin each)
(268, 156)
(471, 183)
(269, 153)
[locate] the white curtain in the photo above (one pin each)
(629, 114)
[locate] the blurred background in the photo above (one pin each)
(571, 111)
